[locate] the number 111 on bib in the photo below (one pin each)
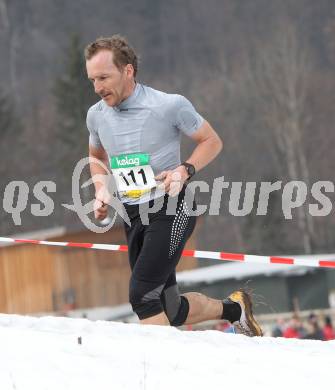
(132, 172)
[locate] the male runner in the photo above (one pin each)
(135, 130)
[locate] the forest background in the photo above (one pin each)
(261, 72)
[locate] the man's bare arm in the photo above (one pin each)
(99, 175)
(209, 145)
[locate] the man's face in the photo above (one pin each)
(109, 82)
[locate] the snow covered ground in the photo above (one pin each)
(44, 353)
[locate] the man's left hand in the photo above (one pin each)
(173, 180)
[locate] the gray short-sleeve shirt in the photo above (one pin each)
(148, 121)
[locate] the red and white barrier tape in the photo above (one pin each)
(307, 262)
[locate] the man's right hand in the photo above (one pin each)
(100, 209)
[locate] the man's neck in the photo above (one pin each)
(130, 91)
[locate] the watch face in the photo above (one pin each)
(190, 169)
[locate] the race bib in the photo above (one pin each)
(133, 174)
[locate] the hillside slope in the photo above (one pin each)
(45, 354)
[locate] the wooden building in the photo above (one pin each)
(37, 278)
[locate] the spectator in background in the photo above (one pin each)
(294, 329)
(315, 332)
(224, 326)
(278, 329)
(328, 330)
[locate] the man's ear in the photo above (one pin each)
(129, 70)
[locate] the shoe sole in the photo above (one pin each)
(253, 325)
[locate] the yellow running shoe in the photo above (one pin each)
(247, 323)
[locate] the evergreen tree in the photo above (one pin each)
(74, 95)
(10, 131)
(8, 121)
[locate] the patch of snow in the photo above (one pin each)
(44, 353)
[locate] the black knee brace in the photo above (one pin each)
(182, 312)
(144, 300)
(176, 306)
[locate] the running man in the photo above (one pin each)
(135, 131)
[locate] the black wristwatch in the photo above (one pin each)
(189, 168)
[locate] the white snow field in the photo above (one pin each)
(44, 353)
